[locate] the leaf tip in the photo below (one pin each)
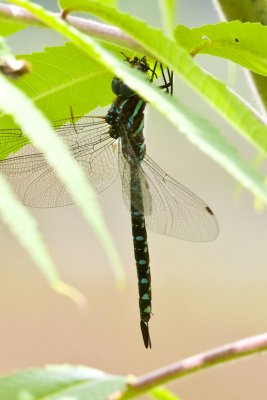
(69, 291)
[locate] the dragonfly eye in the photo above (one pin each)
(115, 86)
(125, 91)
(120, 89)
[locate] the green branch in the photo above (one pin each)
(95, 29)
(190, 365)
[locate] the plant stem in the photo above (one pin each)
(92, 28)
(201, 361)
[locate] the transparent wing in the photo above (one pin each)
(170, 208)
(35, 181)
(134, 176)
(176, 211)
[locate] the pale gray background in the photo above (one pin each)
(204, 295)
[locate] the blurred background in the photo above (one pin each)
(204, 294)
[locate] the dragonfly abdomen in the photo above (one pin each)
(142, 259)
(126, 120)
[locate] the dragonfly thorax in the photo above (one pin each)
(126, 120)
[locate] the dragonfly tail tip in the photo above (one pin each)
(145, 334)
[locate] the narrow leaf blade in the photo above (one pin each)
(8, 27)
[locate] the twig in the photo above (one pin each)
(92, 28)
(219, 355)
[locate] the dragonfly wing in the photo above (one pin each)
(176, 211)
(99, 163)
(35, 181)
(138, 179)
(91, 145)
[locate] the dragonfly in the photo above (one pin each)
(154, 199)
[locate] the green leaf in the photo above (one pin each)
(198, 131)
(161, 393)
(76, 4)
(56, 382)
(24, 226)
(62, 77)
(247, 11)
(9, 26)
(110, 2)
(15, 103)
(242, 43)
(65, 76)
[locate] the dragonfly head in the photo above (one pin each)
(139, 63)
(119, 87)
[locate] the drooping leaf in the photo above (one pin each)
(9, 26)
(24, 226)
(242, 43)
(64, 77)
(14, 102)
(59, 382)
